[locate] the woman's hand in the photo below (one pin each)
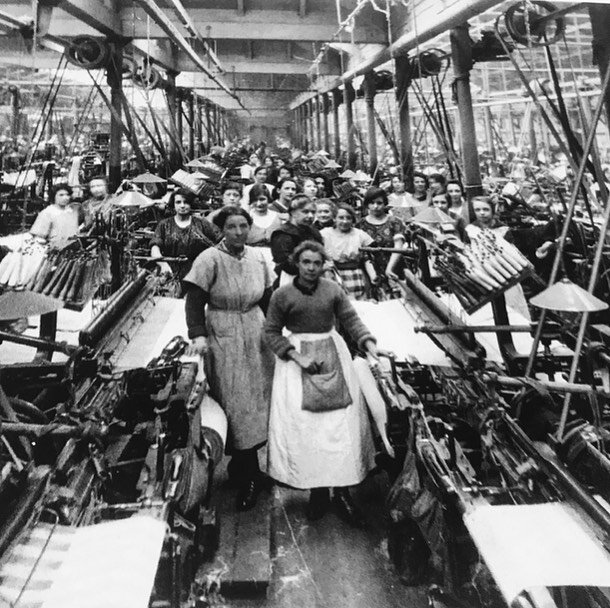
(370, 346)
(305, 362)
(544, 249)
(198, 347)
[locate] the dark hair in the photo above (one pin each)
(58, 188)
(424, 177)
(455, 182)
(189, 197)
(316, 176)
(257, 191)
(259, 169)
(279, 185)
(437, 177)
(287, 168)
(298, 202)
(372, 193)
(220, 219)
(307, 246)
(441, 193)
(349, 209)
(484, 199)
(230, 186)
(327, 201)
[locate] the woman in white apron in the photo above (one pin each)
(319, 431)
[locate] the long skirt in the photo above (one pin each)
(317, 449)
(241, 374)
(353, 282)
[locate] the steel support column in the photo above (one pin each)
(348, 97)
(318, 123)
(371, 127)
(336, 95)
(325, 134)
(15, 109)
(461, 55)
(208, 127)
(200, 147)
(403, 82)
(114, 77)
(180, 117)
(191, 114)
(312, 126)
(175, 159)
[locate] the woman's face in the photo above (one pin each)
(261, 204)
(310, 266)
(377, 207)
(287, 191)
(304, 216)
(344, 221)
(235, 231)
(398, 185)
(309, 188)
(283, 173)
(62, 198)
(268, 162)
(260, 177)
(321, 186)
(419, 184)
(440, 201)
(435, 186)
(324, 213)
(454, 192)
(181, 206)
(253, 160)
(231, 197)
(483, 212)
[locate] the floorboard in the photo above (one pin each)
(325, 564)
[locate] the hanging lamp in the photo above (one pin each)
(567, 296)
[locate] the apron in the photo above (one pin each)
(317, 449)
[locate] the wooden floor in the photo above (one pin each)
(325, 564)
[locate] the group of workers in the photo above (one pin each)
(270, 275)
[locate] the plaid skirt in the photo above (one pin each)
(353, 282)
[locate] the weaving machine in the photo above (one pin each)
(106, 465)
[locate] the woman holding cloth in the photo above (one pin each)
(234, 281)
(319, 432)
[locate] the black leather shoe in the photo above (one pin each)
(319, 501)
(346, 509)
(247, 494)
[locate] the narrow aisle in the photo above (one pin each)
(326, 564)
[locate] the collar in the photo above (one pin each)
(305, 290)
(222, 246)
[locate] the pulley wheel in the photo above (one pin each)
(428, 63)
(532, 23)
(87, 52)
(147, 77)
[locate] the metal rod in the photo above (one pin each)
(161, 19)
(190, 25)
(28, 429)
(49, 345)
(452, 329)
(562, 239)
(518, 382)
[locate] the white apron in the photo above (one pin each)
(317, 449)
